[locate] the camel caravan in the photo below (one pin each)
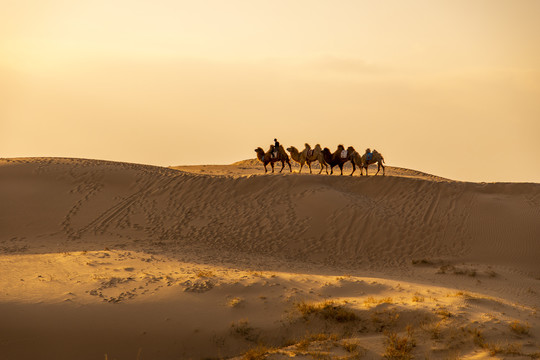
(325, 158)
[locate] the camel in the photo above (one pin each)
(267, 157)
(363, 163)
(307, 156)
(355, 158)
(336, 158)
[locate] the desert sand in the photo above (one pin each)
(110, 260)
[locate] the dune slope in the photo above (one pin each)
(203, 241)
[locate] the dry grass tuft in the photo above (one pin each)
(350, 347)
(496, 348)
(443, 313)
(356, 351)
(242, 328)
(258, 353)
(371, 301)
(456, 271)
(303, 345)
(205, 273)
(478, 337)
(519, 328)
(503, 349)
(235, 302)
(399, 347)
(418, 298)
(434, 330)
(327, 310)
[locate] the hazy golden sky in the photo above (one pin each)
(447, 87)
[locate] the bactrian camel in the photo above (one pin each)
(269, 158)
(336, 158)
(307, 156)
(376, 158)
(363, 163)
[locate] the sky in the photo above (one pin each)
(451, 88)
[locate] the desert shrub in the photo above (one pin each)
(327, 310)
(443, 313)
(503, 349)
(519, 328)
(350, 347)
(399, 347)
(304, 343)
(478, 337)
(433, 329)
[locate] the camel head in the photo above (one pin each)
(292, 149)
(260, 153)
(341, 147)
(307, 146)
(318, 146)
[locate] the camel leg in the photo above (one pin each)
(325, 166)
(382, 169)
(332, 170)
(282, 165)
(309, 165)
(272, 164)
(353, 167)
(341, 168)
(290, 168)
(265, 169)
(367, 169)
(300, 171)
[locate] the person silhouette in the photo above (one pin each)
(369, 155)
(276, 148)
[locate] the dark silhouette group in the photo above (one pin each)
(326, 158)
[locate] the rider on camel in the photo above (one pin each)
(369, 155)
(276, 148)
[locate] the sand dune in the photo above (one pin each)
(133, 261)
